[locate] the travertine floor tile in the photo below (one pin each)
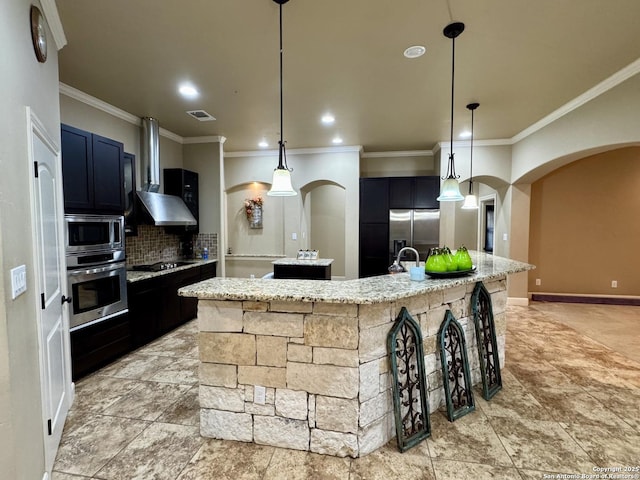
(298, 465)
(137, 366)
(86, 449)
(98, 392)
(607, 446)
(183, 371)
(185, 411)
(449, 469)
(541, 445)
(147, 401)
(388, 462)
(160, 452)
(228, 460)
(469, 437)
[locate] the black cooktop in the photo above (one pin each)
(158, 266)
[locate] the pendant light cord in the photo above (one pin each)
(471, 157)
(282, 156)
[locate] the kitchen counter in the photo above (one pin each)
(136, 276)
(317, 262)
(304, 365)
(380, 289)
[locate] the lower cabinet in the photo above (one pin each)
(154, 309)
(94, 346)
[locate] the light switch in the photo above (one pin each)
(504, 237)
(18, 281)
(294, 236)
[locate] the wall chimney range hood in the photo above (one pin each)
(165, 210)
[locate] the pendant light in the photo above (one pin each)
(281, 184)
(451, 188)
(471, 201)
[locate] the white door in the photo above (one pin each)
(51, 283)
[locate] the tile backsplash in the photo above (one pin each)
(154, 244)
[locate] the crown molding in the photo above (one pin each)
(398, 154)
(101, 105)
(607, 84)
(50, 11)
(208, 139)
(295, 151)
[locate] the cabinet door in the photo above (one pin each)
(426, 193)
(401, 192)
(77, 170)
(145, 310)
(129, 175)
(190, 196)
(374, 249)
(374, 200)
(108, 175)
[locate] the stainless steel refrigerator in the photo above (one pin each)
(419, 229)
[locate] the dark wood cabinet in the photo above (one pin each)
(92, 174)
(155, 307)
(130, 204)
(374, 200)
(302, 272)
(377, 197)
(94, 346)
(184, 184)
(426, 192)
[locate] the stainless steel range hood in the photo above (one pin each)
(165, 210)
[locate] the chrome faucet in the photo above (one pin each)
(396, 267)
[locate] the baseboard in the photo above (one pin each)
(591, 299)
(517, 301)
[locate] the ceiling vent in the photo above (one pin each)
(201, 115)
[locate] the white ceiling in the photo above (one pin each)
(520, 59)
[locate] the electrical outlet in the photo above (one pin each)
(538, 282)
(259, 395)
(505, 237)
(18, 281)
(614, 284)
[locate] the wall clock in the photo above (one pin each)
(38, 34)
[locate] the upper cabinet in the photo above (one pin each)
(92, 171)
(184, 184)
(414, 192)
(130, 219)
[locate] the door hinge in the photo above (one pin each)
(42, 301)
(35, 169)
(49, 426)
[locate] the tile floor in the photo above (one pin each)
(569, 403)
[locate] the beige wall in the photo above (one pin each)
(24, 82)
(403, 166)
(584, 227)
(204, 158)
(338, 166)
(327, 207)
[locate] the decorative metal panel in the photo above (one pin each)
(456, 378)
(409, 382)
(487, 342)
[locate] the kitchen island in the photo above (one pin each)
(303, 364)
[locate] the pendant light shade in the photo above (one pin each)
(281, 183)
(451, 188)
(471, 200)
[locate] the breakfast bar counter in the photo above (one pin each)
(303, 364)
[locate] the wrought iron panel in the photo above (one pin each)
(487, 341)
(456, 378)
(411, 407)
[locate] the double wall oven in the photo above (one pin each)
(96, 270)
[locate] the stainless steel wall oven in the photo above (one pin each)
(96, 271)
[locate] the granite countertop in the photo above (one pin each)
(318, 262)
(370, 290)
(136, 276)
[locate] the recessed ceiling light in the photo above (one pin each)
(188, 90)
(465, 134)
(263, 144)
(337, 140)
(328, 119)
(415, 51)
